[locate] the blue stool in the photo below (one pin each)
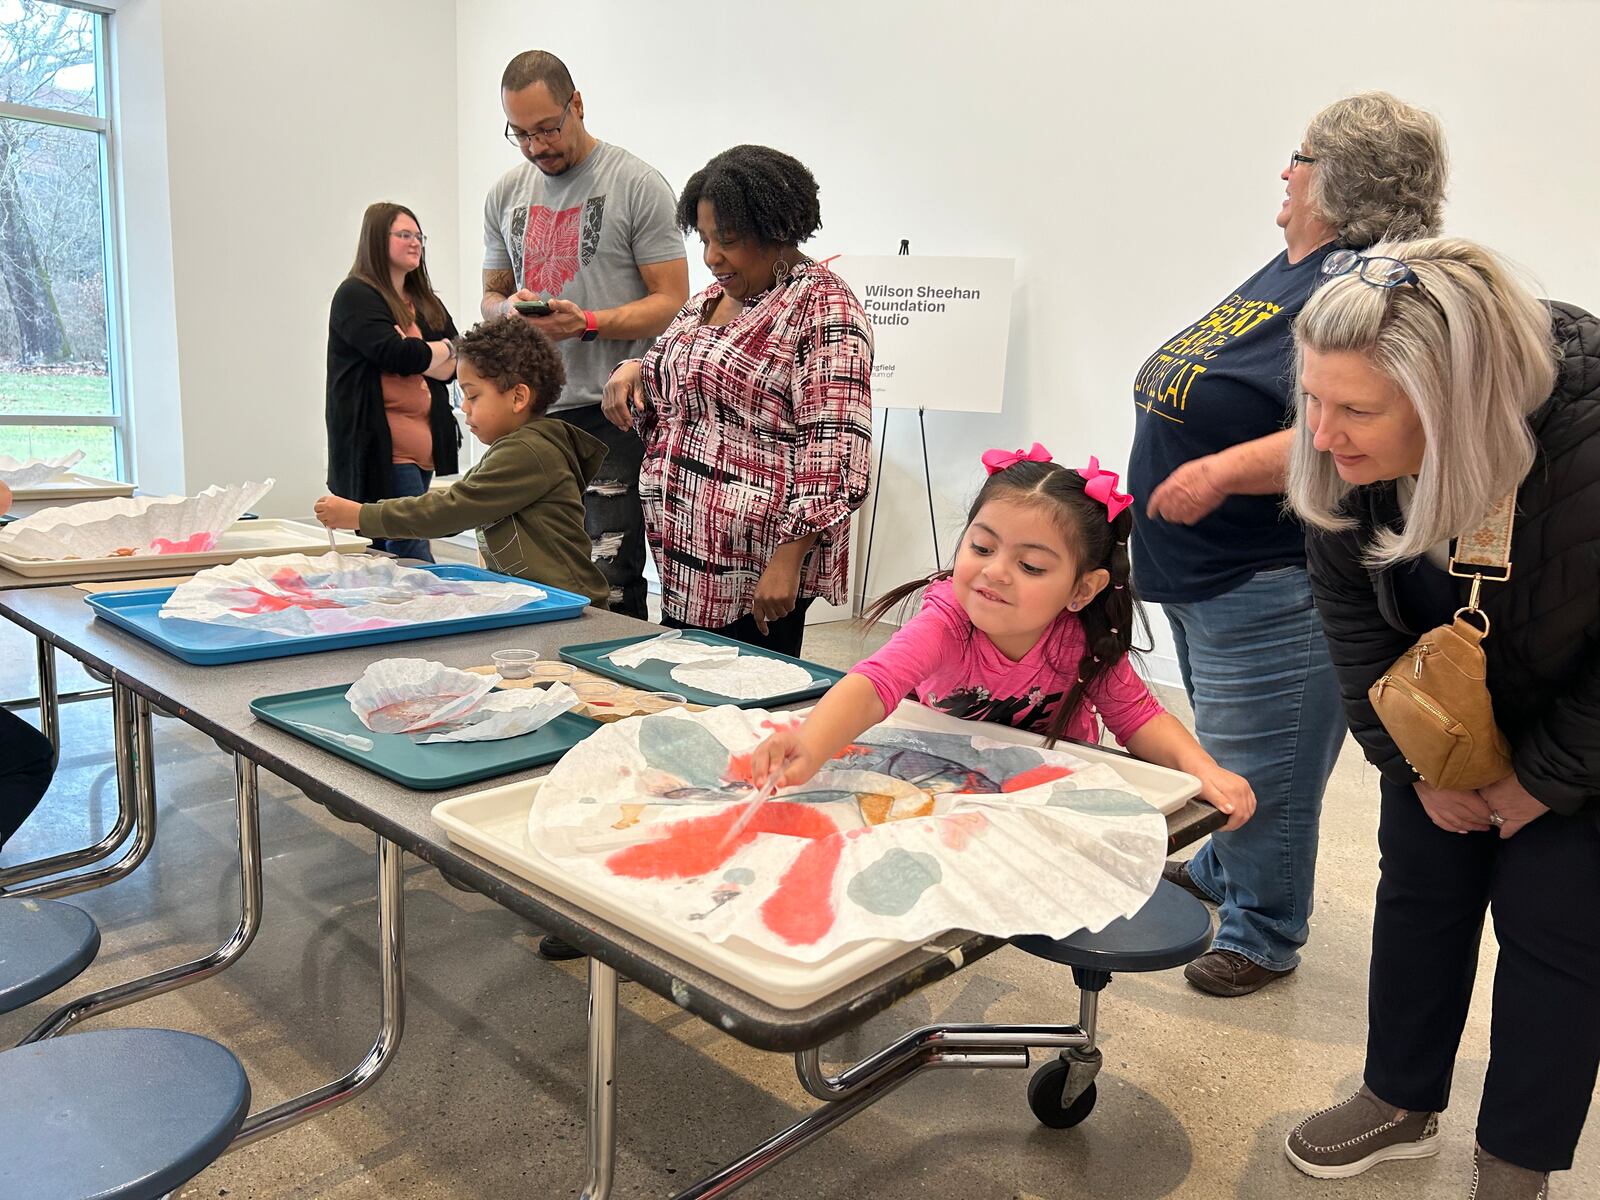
(1172, 928)
(43, 944)
(116, 1114)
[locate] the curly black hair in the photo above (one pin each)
(510, 351)
(757, 192)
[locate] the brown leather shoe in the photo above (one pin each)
(1229, 973)
(1178, 873)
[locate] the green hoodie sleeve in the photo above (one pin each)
(515, 473)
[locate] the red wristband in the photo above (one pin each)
(591, 328)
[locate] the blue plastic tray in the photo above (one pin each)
(205, 645)
(656, 676)
(426, 768)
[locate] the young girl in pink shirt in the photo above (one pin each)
(1032, 628)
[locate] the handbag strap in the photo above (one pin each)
(1486, 547)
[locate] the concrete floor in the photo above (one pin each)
(486, 1096)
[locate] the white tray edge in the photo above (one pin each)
(313, 541)
(780, 982)
(74, 485)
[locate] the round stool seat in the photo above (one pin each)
(1171, 929)
(116, 1114)
(43, 944)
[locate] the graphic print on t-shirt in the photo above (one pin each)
(1029, 712)
(555, 245)
(1162, 385)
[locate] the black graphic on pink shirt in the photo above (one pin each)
(1031, 712)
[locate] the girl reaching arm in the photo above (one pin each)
(1031, 627)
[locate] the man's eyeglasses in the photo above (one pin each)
(405, 235)
(1297, 158)
(546, 135)
(1379, 271)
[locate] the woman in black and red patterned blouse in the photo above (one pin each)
(755, 407)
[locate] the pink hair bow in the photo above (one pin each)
(1102, 486)
(1000, 460)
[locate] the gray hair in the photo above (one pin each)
(1473, 352)
(538, 66)
(1381, 168)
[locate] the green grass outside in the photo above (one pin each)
(23, 394)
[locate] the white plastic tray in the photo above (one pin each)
(74, 485)
(1163, 788)
(243, 539)
(494, 823)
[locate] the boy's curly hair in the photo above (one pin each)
(509, 351)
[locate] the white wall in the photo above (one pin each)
(282, 122)
(1126, 155)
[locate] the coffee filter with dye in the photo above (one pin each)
(131, 526)
(18, 473)
(505, 714)
(905, 835)
(407, 695)
(298, 595)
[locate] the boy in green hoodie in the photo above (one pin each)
(526, 496)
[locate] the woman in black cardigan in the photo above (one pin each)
(390, 356)
(1432, 385)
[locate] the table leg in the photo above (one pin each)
(219, 959)
(133, 743)
(49, 700)
(602, 1079)
(391, 956)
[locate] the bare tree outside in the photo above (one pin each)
(53, 329)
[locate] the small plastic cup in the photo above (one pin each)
(550, 671)
(514, 664)
(597, 693)
(654, 702)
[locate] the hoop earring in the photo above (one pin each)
(780, 272)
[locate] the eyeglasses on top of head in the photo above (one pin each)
(519, 137)
(1378, 270)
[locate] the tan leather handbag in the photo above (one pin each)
(1434, 702)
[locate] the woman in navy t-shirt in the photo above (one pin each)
(1213, 545)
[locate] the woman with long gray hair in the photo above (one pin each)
(1433, 385)
(1212, 545)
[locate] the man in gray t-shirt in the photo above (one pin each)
(589, 228)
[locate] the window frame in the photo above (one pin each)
(101, 123)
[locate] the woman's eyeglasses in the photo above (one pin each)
(1297, 158)
(405, 235)
(1377, 270)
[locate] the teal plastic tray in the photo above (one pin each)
(426, 768)
(656, 676)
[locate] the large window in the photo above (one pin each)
(59, 380)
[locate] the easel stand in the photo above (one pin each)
(927, 483)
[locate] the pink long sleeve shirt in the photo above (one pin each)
(950, 665)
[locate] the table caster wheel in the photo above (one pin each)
(1045, 1097)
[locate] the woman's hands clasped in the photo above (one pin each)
(1476, 811)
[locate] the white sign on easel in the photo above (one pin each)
(939, 326)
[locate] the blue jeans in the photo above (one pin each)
(407, 479)
(1266, 706)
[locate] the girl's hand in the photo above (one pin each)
(336, 513)
(1515, 803)
(1227, 793)
(784, 751)
(1455, 812)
